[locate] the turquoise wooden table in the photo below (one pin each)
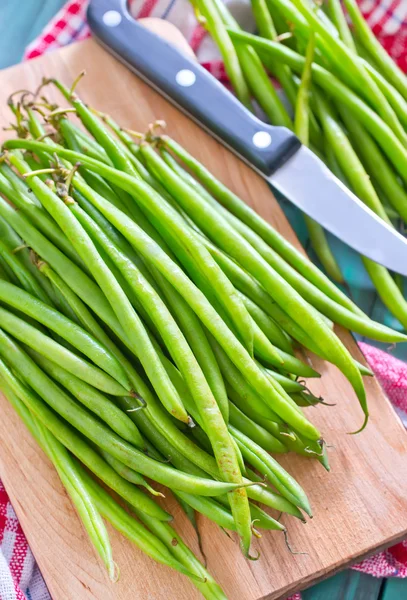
(17, 29)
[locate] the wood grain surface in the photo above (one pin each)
(360, 507)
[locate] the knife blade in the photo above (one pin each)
(273, 152)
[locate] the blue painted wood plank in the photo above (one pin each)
(20, 23)
(394, 589)
(348, 585)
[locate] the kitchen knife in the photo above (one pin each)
(274, 152)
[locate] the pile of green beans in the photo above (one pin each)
(149, 323)
(346, 99)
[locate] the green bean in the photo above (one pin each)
(170, 220)
(386, 65)
(214, 24)
(96, 402)
(211, 509)
(338, 18)
(115, 295)
(76, 444)
(267, 30)
(256, 432)
(395, 99)
(70, 478)
(5, 272)
(210, 589)
(183, 357)
(129, 474)
(219, 229)
(289, 385)
(74, 334)
(196, 338)
(269, 327)
(40, 218)
(302, 109)
(133, 530)
(246, 214)
(357, 175)
(161, 316)
(388, 290)
(301, 128)
(352, 70)
(311, 293)
(197, 301)
(55, 352)
(376, 163)
(256, 76)
(99, 433)
(279, 478)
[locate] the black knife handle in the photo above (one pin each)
(188, 85)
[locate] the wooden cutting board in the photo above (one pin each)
(360, 507)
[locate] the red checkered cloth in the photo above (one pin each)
(20, 578)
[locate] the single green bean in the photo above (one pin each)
(338, 18)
